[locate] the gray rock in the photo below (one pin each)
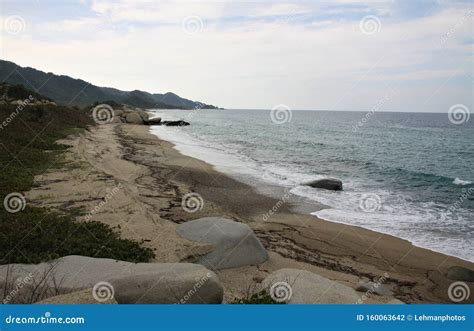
(327, 183)
(74, 273)
(301, 286)
(118, 112)
(143, 114)
(234, 244)
(133, 118)
(154, 121)
(460, 273)
(116, 119)
(374, 287)
(175, 123)
(173, 285)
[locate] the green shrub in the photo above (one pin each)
(261, 297)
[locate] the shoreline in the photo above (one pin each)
(155, 177)
(302, 204)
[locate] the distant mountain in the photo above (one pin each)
(76, 92)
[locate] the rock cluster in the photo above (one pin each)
(126, 282)
(135, 115)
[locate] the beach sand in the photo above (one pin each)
(146, 179)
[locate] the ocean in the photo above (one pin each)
(406, 174)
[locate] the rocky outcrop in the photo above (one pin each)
(127, 282)
(326, 183)
(175, 123)
(234, 244)
(131, 115)
(460, 273)
(134, 115)
(301, 286)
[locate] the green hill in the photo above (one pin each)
(76, 92)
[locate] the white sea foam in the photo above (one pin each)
(458, 181)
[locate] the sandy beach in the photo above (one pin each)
(146, 178)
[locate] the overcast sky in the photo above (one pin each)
(333, 55)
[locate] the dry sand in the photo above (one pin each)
(143, 179)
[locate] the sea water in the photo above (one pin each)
(406, 174)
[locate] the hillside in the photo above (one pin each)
(9, 93)
(76, 92)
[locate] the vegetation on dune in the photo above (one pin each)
(261, 297)
(28, 146)
(35, 235)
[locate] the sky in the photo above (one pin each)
(328, 55)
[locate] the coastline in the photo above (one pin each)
(154, 174)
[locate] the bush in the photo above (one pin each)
(35, 235)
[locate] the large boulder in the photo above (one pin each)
(143, 114)
(326, 183)
(234, 244)
(460, 273)
(173, 285)
(32, 283)
(301, 286)
(133, 118)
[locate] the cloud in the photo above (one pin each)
(245, 57)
